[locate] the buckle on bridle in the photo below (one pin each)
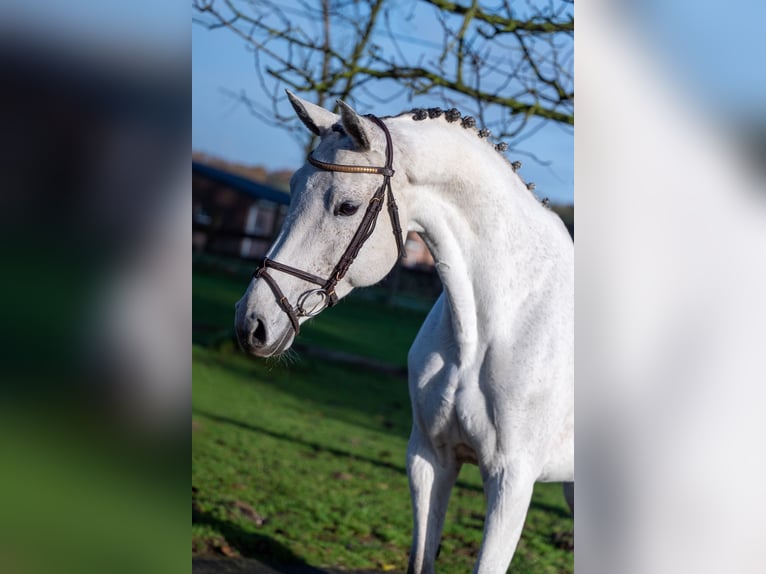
(316, 308)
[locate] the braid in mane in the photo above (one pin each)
(469, 122)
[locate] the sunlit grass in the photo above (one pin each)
(305, 462)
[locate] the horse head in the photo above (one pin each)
(334, 237)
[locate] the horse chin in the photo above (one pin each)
(282, 345)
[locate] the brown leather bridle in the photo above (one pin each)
(326, 288)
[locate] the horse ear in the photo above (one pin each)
(314, 117)
(353, 125)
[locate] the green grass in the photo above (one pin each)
(304, 462)
(356, 325)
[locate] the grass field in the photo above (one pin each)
(302, 461)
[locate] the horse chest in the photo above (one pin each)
(450, 404)
(454, 413)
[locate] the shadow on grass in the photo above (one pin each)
(344, 391)
(317, 447)
(249, 545)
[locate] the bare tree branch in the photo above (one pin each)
(508, 62)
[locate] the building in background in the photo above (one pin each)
(232, 214)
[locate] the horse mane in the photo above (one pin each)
(453, 116)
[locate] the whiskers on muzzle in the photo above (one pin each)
(286, 358)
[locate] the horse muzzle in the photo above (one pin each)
(260, 337)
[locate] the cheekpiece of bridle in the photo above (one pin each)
(312, 302)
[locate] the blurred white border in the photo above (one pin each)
(671, 258)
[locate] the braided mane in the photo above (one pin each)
(452, 116)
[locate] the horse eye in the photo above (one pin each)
(346, 209)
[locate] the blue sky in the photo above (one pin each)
(224, 129)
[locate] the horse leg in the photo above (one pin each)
(508, 498)
(430, 485)
(569, 495)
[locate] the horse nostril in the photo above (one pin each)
(258, 334)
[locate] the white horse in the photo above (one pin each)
(491, 370)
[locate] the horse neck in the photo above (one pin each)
(482, 225)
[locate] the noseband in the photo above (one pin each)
(326, 289)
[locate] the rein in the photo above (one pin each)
(326, 289)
